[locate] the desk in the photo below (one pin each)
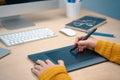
(17, 66)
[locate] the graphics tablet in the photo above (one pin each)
(72, 60)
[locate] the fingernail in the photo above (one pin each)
(76, 44)
(36, 60)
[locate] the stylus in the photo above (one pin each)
(85, 37)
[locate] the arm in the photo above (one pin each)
(49, 71)
(55, 73)
(109, 50)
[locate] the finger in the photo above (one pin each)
(35, 71)
(40, 62)
(81, 49)
(38, 67)
(77, 40)
(49, 62)
(82, 43)
(61, 62)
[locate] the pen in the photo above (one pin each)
(85, 37)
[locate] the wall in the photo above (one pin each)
(106, 7)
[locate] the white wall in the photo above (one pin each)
(62, 3)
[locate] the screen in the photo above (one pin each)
(11, 11)
(6, 2)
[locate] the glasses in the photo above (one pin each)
(89, 23)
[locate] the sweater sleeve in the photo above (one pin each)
(55, 73)
(109, 50)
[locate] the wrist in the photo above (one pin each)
(94, 44)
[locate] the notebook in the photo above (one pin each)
(73, 60)
(86, 23)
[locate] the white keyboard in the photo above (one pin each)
(26, 36)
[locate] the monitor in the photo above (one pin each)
(10, 11)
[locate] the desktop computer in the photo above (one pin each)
(10, 11)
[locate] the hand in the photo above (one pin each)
(89, 43)
(42, 66)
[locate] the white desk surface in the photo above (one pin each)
(17, 66)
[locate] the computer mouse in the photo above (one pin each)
(68, 31)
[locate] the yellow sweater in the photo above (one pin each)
(109, 50)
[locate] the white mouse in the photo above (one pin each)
(68, 31)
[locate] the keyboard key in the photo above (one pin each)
(27, 36)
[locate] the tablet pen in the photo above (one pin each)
(85, 37)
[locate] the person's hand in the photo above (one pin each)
(41, 66)
(90, 43)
